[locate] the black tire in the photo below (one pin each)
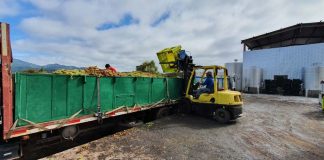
(130, 124)
(222, 115)
(70, 132)
(162, 112)
(150, 115)
(185, 107)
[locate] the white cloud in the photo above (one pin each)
(51, 5)
(8, 8)
(66, 32)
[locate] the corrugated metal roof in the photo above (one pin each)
(299, 34)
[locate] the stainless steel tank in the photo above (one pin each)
(311, 80)
(235, 72)
(255, 79)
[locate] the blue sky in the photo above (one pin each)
(126, 20)
(15, 19)
(126, 33)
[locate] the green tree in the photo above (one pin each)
(147, 66)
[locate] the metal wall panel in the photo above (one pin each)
(283, 61)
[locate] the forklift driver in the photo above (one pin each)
(209, 83)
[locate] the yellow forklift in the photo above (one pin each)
(321, 95)
(219, 102)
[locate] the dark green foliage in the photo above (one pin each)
(147, 66)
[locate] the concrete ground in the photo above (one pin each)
(271, 127)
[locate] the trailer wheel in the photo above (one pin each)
(185, 107)
(222, 115)
(70, 132)
(163, 112)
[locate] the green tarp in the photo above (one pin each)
(46, 97)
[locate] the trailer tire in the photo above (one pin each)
(162, 112)
(130, 124)
(70, 132)
(222, 115)
(185, 107)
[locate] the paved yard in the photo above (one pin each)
(272, 127)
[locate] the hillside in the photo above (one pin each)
(20, 65)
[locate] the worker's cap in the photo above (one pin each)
(209, 73)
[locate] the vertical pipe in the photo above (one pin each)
(99, 113)
(98, 94)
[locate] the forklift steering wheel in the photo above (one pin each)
(198, 84)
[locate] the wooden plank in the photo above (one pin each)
(6, 60)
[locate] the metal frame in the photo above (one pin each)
(53, 125)
(215, 79)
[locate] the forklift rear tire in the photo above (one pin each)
(222, 115)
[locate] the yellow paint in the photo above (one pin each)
(323, 103)
(223, 97)
(168, 57)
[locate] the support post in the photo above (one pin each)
(6, 78)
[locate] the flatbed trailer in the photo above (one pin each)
(34, 104)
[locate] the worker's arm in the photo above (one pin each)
(208, 81)
(205, 82)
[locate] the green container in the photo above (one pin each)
(47, 97)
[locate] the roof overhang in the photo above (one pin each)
(299, 34)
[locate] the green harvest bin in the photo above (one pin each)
(47, 97)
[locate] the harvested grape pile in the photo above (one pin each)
(95, 71)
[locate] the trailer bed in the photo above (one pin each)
(49, 101)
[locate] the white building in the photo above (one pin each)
(296, 52)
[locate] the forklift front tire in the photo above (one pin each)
(222, 115)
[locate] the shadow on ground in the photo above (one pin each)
(33, 150)
(315, 115)
(190, 121)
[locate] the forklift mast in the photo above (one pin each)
(186, 65)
